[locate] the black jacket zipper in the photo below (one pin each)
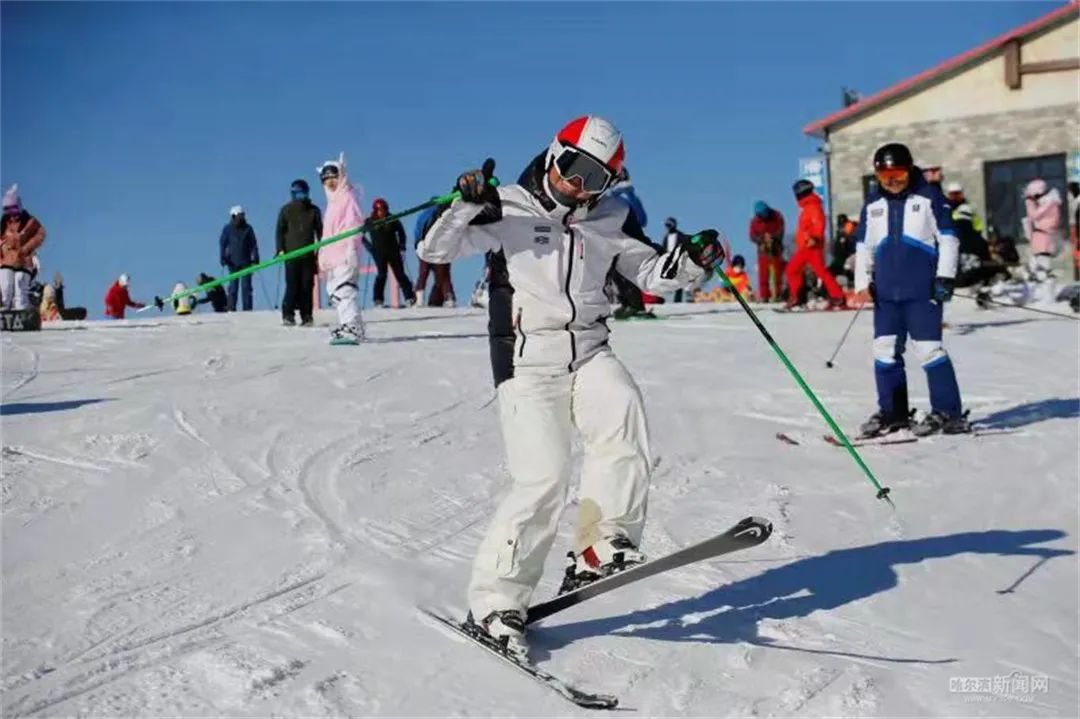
(573, 307)
(521, 350)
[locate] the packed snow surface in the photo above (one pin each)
(216, 515)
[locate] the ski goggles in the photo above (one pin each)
(299, 194)
(572, 163)
(891, 174)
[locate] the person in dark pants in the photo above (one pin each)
(299, 224)
(442, 294)
(215, 298)
(239, 249)
(388, 241)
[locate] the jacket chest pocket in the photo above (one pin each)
(918, 220)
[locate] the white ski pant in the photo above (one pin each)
(14, 289)
(539, 415)
(341, 287)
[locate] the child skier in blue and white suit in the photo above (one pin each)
(906, 258)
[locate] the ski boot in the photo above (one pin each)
(881, 423)
(504, 630)
(939, 422)
(606, 557)
(982, 299)
(307, 322)
(838, 303)
(288, 321)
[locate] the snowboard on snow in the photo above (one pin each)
(747, 533)
(28, 320)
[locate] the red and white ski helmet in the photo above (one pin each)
(595, 136)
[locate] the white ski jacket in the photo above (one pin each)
(548, 308)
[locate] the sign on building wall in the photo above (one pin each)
(813, 169)
(1074, 167)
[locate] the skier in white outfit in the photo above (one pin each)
(552, 239)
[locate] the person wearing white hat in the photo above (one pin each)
(239, 249)
(962, 210)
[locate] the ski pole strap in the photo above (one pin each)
(882, 492)
(369, 224)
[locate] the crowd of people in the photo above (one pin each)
(795, 270)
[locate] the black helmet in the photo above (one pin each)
(670, 223)
(300, 185)
(738, 261)
(802, 188)
(893, 154)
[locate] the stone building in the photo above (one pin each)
(993, 118)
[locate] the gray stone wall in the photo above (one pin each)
(960, 146)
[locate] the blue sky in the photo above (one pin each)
(132, 128)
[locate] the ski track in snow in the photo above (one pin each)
(246, 523)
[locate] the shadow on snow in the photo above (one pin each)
(732, 613)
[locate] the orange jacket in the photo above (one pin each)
(810, 231)
(20, 238)
(740, 280)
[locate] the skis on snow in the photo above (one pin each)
(748, 533)
(585, 699)
(901, 437)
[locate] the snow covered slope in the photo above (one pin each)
(221, 516)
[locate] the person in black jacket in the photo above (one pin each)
(239, 249)
(215, 298)
(299, 224)
(388, 243)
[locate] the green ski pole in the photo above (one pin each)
(308, 249)
(882, 492)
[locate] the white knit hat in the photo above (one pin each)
(236, 210)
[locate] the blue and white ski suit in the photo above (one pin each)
(904, 243)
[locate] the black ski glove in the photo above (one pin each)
(942, 290)
(705, 249)
(159, 303)
(475, 185)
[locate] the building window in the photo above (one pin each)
(1005, 181)
(869, 186)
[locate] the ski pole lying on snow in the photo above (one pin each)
(882, 492)
(308, 249)
(843, 337)
(1062, 315)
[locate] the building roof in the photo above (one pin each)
(928, 77)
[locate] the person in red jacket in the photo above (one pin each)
(117, 299)
(767, 232)
(810, 244)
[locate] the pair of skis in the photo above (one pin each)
(750, 532)
(901, 437)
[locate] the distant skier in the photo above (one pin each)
(21, 234)
(906, 258)
(767, 233)
(1045, 235)
(117, 299)
(810, 242)
(239, 249)
(553, 239)
(340, 261)
(299, 224)
(183, 305)
(215, 297)
(388, 245)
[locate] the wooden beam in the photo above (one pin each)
(1012, 64)
(1072, 63)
